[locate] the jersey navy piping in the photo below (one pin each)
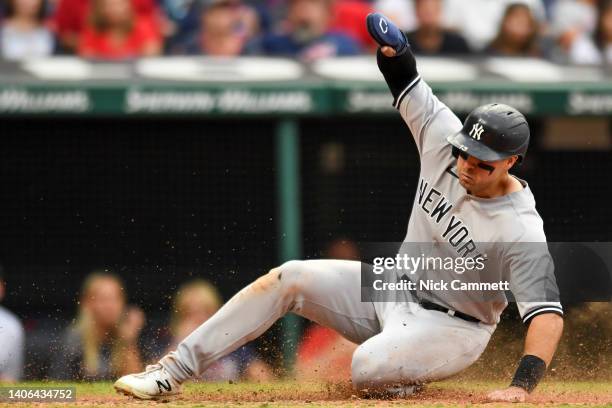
(401, 96)
(540, 310)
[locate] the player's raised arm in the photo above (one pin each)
(429, 120)
(394, 57)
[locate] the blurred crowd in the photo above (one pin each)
(566, 31)
(105, 339)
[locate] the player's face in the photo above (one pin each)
(482, 178)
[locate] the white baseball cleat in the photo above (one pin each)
(155, 382)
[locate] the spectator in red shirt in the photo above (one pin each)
(115, 31)
(71, 18)
(349, 16)
(324, 354)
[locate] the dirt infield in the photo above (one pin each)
(278, 394)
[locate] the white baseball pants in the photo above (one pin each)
(400, 343)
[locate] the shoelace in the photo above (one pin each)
(153, 367)
(149, 369)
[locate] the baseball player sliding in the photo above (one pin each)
(465, 189)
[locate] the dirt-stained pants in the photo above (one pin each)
(400, 343)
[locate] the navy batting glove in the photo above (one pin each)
(385, 33)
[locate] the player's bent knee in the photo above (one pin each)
(288, 275)
(276, 277)
(291, 278)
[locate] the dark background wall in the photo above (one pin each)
(162, 201)
(156, 201)
(159, 201)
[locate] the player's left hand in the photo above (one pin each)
(510, 394)
(385, 33)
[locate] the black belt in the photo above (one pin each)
(432, 306)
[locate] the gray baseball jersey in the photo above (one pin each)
(401, 343)
(443, 212)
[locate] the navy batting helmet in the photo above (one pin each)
(492, 132)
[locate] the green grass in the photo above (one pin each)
(451, 393)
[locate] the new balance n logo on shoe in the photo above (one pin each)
(165, 386)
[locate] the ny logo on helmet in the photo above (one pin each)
(476, 131)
